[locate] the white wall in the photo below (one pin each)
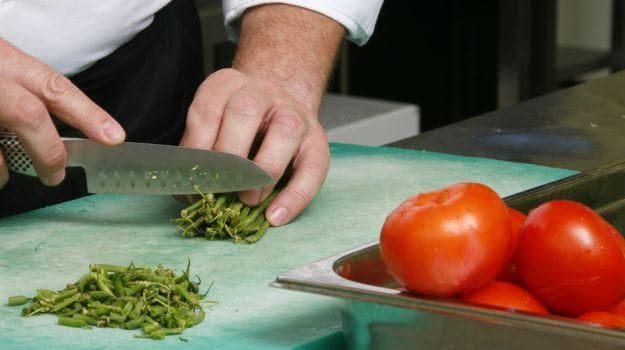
(584, 23)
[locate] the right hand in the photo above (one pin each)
(29, 92)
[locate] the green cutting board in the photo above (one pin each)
(50, 247)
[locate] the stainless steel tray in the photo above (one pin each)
(377, 314)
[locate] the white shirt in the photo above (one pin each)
(71, 35)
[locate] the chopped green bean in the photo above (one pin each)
(156, 300)
(92, 321)
(45, 294)
(65, 303)
(127, 308)
(99, 295)
(18, 300)
(66, 294)
(101, 282)
(156, 335)
(223, 216)
(136, 311)
(72, 322)
(84, 281)
(134, 324)
(109, 268)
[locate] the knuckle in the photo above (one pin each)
(199, 113)
(54, 157)
(271, 164)
(30, 112)
(316, 169)
(224, 75)
(302, 196)
(55, 86)
(323, 138)
(226, 72)
(290, 124)
(245, 105)
(273, 89)
(95, 115)
(193, 121)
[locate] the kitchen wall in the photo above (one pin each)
(585, 23)
(215, 40)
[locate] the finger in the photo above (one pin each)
(285, 133)
(205, 113)
(309, 172)
(68, 103)
(4, 172)
(24, 114)
(187, 198)
(245, 111)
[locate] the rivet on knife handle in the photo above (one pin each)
(13, 153)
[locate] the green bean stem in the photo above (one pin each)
(157, 301)
(18, 300)
(223, 216)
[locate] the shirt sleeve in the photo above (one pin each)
(357, 16)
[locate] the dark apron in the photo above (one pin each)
(147, 85)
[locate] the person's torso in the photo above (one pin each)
(71, 35)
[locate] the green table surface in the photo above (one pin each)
(50, 247)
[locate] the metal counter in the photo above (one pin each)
(578, 128)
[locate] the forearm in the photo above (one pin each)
(290, 46)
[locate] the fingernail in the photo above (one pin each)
(277, 216)
(113, 131)
(55, 179)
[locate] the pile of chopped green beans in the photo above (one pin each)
(128, 297)
(223, 216)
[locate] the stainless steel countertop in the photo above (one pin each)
(577, 128)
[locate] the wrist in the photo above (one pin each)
(290, 46)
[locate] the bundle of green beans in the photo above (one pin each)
(223, 216)
(129, 297)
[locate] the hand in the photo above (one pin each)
(232, 110)
(29, 92)
(284, 57)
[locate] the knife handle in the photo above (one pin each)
(13, 153)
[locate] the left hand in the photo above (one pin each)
(232, 111)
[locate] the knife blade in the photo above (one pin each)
(141, 168)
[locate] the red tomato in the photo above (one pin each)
(603, 318)
(507, 296)
(571, 258)
(516, 219)
(449, 241)
(509, 272)
(619, 308)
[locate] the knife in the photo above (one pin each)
(142, 168)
